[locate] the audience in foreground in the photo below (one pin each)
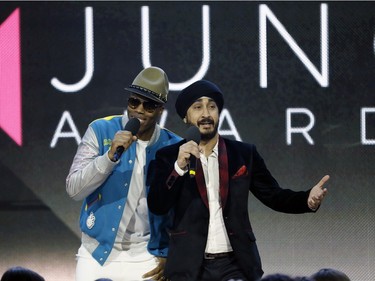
(19, 273)
(329, 274)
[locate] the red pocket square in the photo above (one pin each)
(241, 172)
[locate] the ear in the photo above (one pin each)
(185, 121)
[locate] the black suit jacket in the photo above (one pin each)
(181, 194)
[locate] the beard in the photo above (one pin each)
(208, 135)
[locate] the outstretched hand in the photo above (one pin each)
(317, 194)
(157, 273)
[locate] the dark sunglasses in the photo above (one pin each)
(149, 106)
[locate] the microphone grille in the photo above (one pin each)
(193, 134)
(133, 126)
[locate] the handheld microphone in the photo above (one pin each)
(133, 127)
(193, 134)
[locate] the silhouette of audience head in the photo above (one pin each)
(19, 273)
(283, 277)
(329, 274)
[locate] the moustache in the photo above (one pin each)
(206, 121)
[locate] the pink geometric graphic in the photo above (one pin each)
(10, 77)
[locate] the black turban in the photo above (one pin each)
(190, 94)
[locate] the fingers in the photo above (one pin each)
(313, 206)
(149, 274)
(190, 148)
(155, 274)
(185, 152)
(317, 193)
(318, 198)
(123, 138)
(315, 201)
(323, 181)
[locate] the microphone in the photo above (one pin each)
(193, 134)
(133, 127)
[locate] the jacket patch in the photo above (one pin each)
(107, 142)
(90, 222)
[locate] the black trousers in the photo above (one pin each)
(221, 269)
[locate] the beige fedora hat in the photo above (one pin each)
(152, 83)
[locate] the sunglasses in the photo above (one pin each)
(149, 106)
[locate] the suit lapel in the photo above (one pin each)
(223, 173)
(199, 177)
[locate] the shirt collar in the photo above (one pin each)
(215, 151)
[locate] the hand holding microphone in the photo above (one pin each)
(189, 151)
(132, 126)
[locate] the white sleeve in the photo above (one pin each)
(89, 169)
(179, 170)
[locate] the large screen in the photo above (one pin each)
(298, 80)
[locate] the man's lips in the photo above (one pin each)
(205, 122)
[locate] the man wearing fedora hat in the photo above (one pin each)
(211, 238)
(121, 240)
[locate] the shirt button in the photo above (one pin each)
(105, 252)
(130, 161)
(113, 229)
(119, 207)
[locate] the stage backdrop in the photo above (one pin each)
(298, 80)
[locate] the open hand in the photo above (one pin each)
(317, 194)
